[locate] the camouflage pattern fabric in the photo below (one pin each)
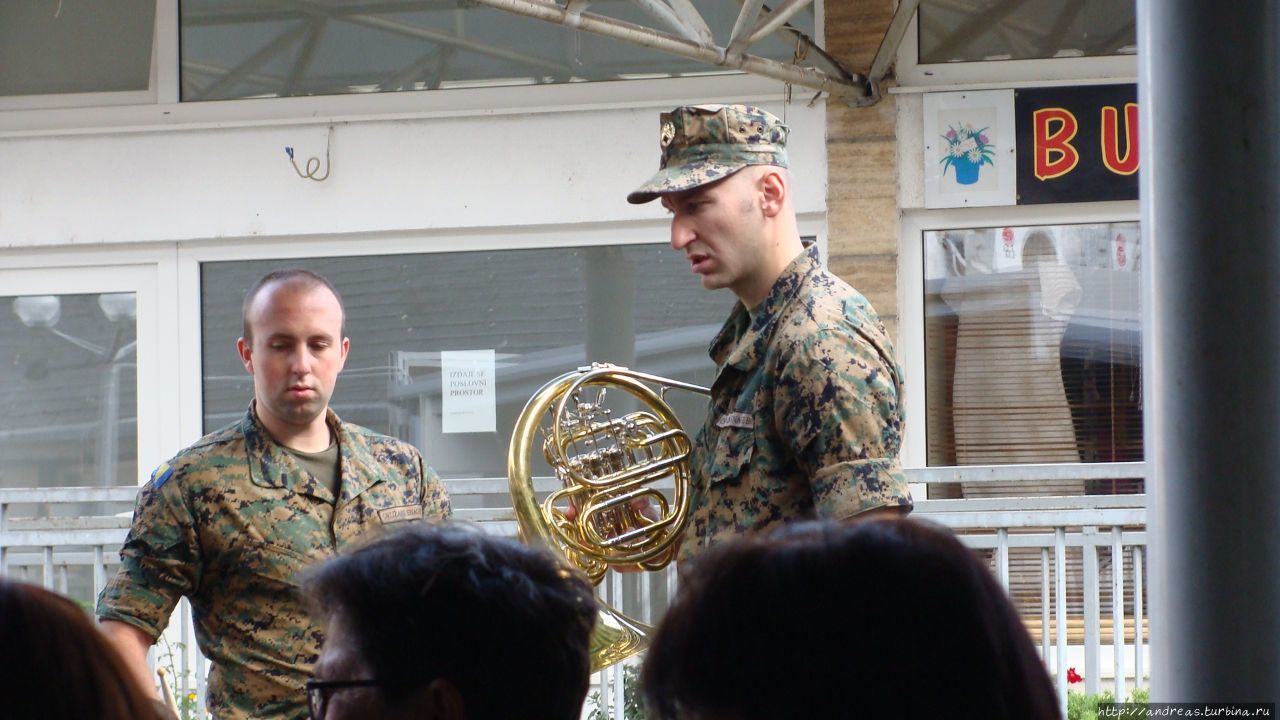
(229, 522)
(702, 144)
(805, 418)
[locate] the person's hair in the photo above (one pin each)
(447, 601)
(883, 618)
(298, 277)
(61, 667)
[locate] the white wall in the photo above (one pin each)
(483, 170)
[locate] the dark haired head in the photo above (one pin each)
(886, 618)
(60, 666)
(449, 602)
(289, 276)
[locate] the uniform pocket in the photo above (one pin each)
(273, 562)
(732, 456)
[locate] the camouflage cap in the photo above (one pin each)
(705, 143)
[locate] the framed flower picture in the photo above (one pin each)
(970, 149)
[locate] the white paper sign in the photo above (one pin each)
(467, 391)
(969, 149)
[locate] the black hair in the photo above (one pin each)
(883, 618)
(447, 601)
(287, 276)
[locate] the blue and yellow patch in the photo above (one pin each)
(160, 475)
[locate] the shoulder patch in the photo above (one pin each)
(160, 475)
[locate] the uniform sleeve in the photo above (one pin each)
(159, 562)
(435, 498)
(837, 405)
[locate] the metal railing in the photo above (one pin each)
(1063, 559)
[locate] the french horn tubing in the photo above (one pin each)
(611, 508)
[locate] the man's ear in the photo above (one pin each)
(773, 191)
(245, 349)
(438, 701)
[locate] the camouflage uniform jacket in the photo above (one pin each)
(229, 522)
(805, 418)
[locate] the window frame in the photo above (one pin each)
(163, 76)
(911, 73)
(914, 79)
(911, 303)
(149, 273)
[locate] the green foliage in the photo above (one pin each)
(1085, 707)
(631, 708)
(167, 657)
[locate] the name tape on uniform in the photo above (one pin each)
(736, 420)
(400, 514)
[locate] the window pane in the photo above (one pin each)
(1033, 344)
(68, 400)
(973, 30)
(233, 49)
(75, 46)
(543, 312)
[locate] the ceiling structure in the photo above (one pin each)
(240, 49)
(679, 28)
(280, 48)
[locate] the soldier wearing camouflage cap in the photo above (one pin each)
(230, 521)
(806, 410)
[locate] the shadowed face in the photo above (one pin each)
(720, 230)
(296, 353)
(340, 660)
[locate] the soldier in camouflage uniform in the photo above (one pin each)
(231, 520)
(806, 417)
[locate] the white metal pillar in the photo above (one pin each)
(1209, 92)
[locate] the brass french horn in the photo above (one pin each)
(607, 511)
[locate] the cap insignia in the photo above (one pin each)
(668, 133)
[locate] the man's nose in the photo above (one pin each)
(681, 233)
(302, 361)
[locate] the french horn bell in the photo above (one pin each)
(612, 464)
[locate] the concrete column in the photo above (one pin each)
(1209, 90)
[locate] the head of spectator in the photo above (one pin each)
(883, 618)
(446, 623)
(60, 667)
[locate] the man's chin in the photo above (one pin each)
(711, 282)
(301, 414)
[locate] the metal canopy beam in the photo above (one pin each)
(833, 79)
(775, 19)
(888, 50)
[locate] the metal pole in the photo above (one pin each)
(1060, 612)
(1117, 612)
(1138, 629)
(1092, 616)
(1209, 95)
(109, 426)
(610, 279)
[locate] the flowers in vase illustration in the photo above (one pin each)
(967, 150)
